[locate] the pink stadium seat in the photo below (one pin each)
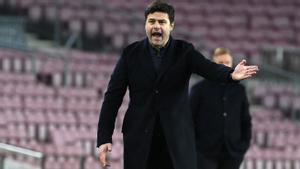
(255, 10)
(269, 101)
(281, 22)
(88, 118)
(92, 28)
(255, 2)
(75, 25)
(67, 13)
(82, 105)
(50, 13)
(118, 41)
(260, 22)
(11, 103)
(237, 34)
(108, 28)
(83, 13)
(89, 93)
(35, 13)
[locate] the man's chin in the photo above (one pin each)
(157, 45)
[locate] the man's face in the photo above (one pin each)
(158, 28)
(225, 59)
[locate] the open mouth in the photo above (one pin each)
(156, 34)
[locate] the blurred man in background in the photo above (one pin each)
(222, 120)
(158, 128)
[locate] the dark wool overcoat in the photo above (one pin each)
(164, 93)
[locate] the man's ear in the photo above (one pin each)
(172, 26)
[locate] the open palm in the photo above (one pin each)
(242, 71)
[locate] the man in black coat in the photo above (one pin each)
(222, 120)
(158, 128)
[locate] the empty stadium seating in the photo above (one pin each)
(56, 119)
(117, 23)
(61, 121)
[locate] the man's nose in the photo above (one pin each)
(156, 25)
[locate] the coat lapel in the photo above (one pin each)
(167, 60)
(147, 61)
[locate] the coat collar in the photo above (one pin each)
(166, 60)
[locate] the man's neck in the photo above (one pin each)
(158, 48)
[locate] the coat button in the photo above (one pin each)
(146, 131)
(224, 98)
(156, 91)
(224, 114)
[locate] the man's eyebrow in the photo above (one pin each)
(162, 20)
(159, 20)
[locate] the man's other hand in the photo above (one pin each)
(103, 151)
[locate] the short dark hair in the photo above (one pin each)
(160, 6)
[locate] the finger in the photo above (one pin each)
(109, 147)
(247, 76)
(243, 62)
(251, 70)
(251, 73)
(251, 67)
(102, 158)
(106, 162)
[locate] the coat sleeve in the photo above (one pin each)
(113, 98)
(246, 121)
(204, 67)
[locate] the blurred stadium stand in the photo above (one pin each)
(56, 58)
(12, 32)
(245, 26)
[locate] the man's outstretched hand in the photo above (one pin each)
(103, 151)
(241, 71)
